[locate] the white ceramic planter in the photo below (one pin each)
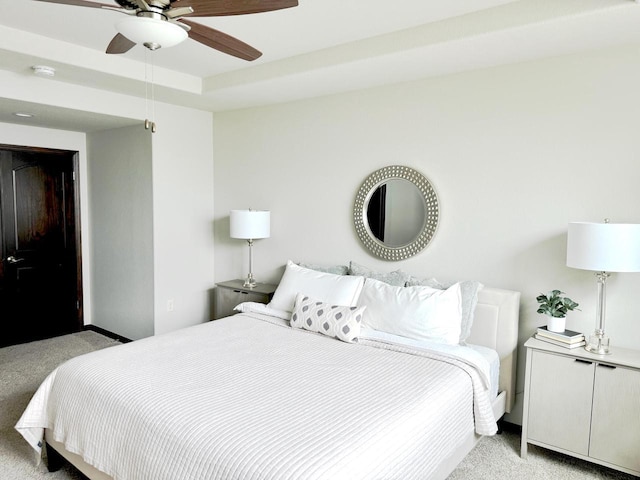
(555, 324)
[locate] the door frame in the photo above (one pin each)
(76, 216)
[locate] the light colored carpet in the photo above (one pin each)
(498, 457)
(23, 367)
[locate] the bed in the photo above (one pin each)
(252, 396)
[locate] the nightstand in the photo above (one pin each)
(583, 405)
(229, 294)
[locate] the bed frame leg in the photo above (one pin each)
(54, 459)
(500, 425)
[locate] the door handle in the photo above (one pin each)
(579, 360)
(13, 260)
(604, 365)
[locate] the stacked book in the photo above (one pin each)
(566, 339)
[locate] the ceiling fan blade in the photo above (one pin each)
(81, 3)
(120, 44)
(221, 41)
(209, 8)
(133, 4)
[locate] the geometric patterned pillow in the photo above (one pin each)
(333, 321)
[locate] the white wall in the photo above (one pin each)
(514, 153)
(121, 213)
(182, 179)
(183, 216)
(162, 185)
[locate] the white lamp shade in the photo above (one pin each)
(250, 224)
(604, 247)
(151, 30)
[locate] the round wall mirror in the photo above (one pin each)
(396, 212)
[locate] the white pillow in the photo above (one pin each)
(469, 294)
(421, 313)
(326, 287)
(246, 307)
(333, 321)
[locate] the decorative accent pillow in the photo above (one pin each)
(335, 269)
(424, 282)
(469, 293)
(421, 313)
(333, 321)
(397, 277)
(326, 287)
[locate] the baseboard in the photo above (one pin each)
(107, 333)
(511, 427)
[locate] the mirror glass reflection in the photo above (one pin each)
(396, 212)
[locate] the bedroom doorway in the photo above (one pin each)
(40, 271)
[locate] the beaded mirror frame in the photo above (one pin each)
(431, 204)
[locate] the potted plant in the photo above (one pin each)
(556, 306)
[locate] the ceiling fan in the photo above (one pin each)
(161, 23)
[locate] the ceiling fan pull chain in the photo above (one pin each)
(149, 124)
(153, 97)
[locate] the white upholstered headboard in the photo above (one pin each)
(495, 325)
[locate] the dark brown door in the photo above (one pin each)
(39, 274)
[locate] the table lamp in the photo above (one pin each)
(250, 225)
(604, 248)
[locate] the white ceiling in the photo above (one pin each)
(320, 47)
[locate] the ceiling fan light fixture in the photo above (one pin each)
(151, 32)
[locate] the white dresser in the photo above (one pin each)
(583, 405)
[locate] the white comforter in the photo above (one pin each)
(249, 398)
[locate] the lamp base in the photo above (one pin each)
(250, 282)
(598, 343)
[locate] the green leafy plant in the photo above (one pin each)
(555, 304)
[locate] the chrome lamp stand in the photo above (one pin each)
(598, 341)
(250, 281)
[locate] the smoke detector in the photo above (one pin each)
(43, 71)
